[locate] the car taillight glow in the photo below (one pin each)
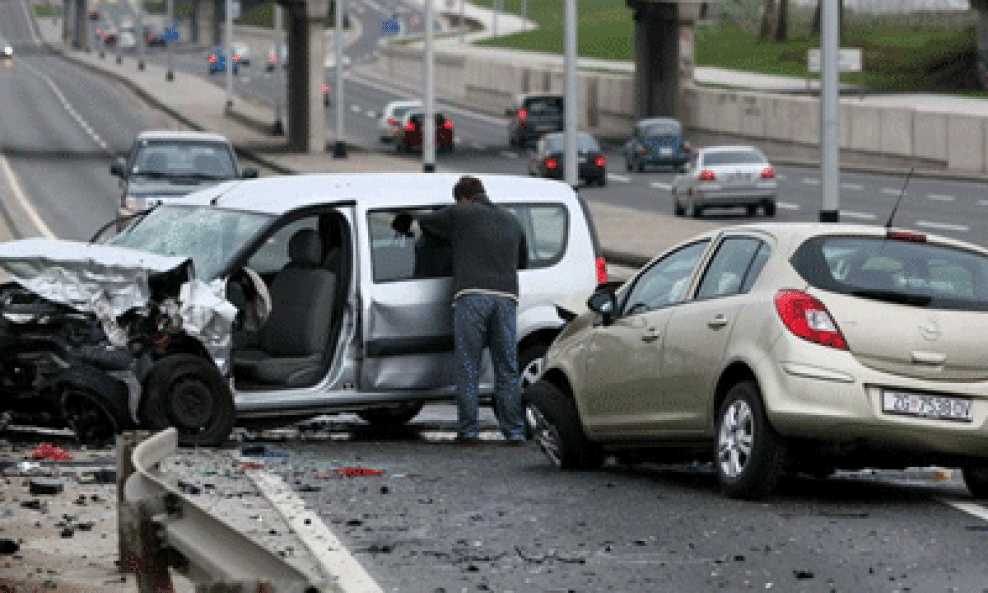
(905, 236)
(707, 175)
(272, 59)
(409, 127)
(807, 318)
(599, 161)
(448, 125)
(768, 173)
(325, 89)
(522, 114)
(551, 164)
(236, 57)
(601, 269)
(642, 151)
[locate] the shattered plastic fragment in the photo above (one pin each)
(49, 452)
(354, 472)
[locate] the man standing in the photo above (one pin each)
(489, 248)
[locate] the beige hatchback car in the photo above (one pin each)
(776, 348)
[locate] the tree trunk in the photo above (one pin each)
(815, 29)
(782, 24)
(768, 20)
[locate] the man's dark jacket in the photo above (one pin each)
(488, 245)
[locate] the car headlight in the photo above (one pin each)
(8, 51)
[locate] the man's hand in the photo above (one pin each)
(402, 223)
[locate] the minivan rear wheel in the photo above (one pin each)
(554, 423)
(750, 456)
(976, 479)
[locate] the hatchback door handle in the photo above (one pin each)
(650, 335)
(934, 358)
(718, 321)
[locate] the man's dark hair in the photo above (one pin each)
(467, 187)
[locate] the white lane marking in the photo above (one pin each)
(787, 206)
(333, 558)
(68, 107)
(968, 507)
(943, 226)
(355, 108)
(811, 181)
(892, 191)
(443, 107)
(371, 114)
(660, 185)
(15, 187)
(509, 155)
(940, 197)
(619, 178)
(852, 186)
(861, 215)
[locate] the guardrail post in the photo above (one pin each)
(147, 557)
(127, 532)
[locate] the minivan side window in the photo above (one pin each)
(396, 257)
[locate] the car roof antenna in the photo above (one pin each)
(899, 199)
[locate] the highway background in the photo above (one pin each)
(501, 520)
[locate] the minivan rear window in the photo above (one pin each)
(544, 105)
(920, 274)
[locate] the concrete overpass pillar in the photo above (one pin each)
(67, 13)
(217, 22)
(307, 55)
(982, 53)
(656, 59)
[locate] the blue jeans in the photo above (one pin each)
(481, 320)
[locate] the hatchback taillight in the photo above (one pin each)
(768, 173)
(599, 161)
(707, 175)
(807, 318)
(551, 164)
(409, 127)
(601, 269)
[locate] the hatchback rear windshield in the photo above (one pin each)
(669, 129)
(733, 157)
(921, 274)
(546, 105)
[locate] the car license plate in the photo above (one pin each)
(923, 405)
(665, 150)
(739, 178)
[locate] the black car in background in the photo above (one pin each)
(657, 142)
(533, 115)
(547, 160)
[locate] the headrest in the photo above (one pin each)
(305, 248)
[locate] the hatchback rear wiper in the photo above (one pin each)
(894, 297)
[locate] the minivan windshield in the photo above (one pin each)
(210, 236)
(909, 273)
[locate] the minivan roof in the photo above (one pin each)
(279, 194)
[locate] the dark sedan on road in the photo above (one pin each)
(547, 160)
(657, 141)
(409, 136)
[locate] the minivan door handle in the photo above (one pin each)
(650, 335)
(932, 358)
(719, 320)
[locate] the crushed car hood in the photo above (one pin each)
(93, 277)
(74, 274)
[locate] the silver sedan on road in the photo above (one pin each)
(725, 177)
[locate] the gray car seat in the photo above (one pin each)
(293, 341)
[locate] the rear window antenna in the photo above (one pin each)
(899, 199)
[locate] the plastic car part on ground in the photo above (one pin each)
(48, 452)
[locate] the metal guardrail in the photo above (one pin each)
(160, 528)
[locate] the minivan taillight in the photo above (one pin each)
(807, 318)
(601, 270)
(707, 175)
(448, 125)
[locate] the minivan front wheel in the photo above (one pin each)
(554, 423)
(976, 479)
(749, 456)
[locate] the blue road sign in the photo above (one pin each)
(172, 33)
(391, 26)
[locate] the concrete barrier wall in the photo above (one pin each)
(607, 109)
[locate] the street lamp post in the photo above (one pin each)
(140, 35)
(228, 53)
(829, 112)
(570, 166)
(279, 126)
(116, 43)
(339, 149)
(170, 74)
(429, 123)
(494, 18)
(463, 28)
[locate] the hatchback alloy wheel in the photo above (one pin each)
(735, 439)
(749, 456)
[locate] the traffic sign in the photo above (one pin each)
(849, 59)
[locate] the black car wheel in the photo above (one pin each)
(94, 417)
(749, 457)
(769, 209)
(554, 423)
(751, 210)
(628, 164)
(677, 208)
(189, 393)
(976, 479)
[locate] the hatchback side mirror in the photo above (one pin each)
(118, 168)
(603, 303)
(249, 173)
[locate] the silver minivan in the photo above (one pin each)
(334, 310)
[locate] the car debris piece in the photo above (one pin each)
(355, 472)
(50, 452)
(48, 487)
